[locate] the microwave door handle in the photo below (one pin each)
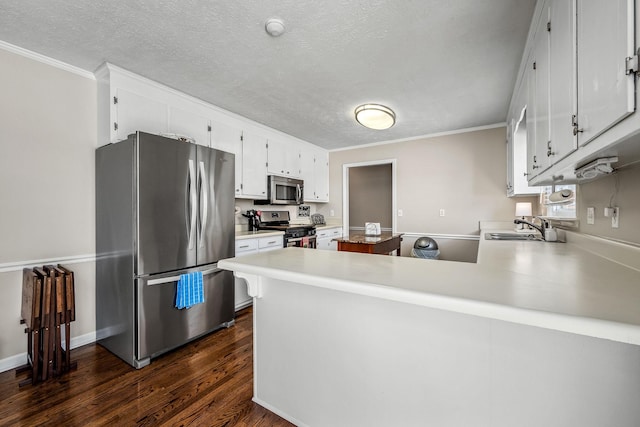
(298, 193)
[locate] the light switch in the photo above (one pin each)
(400, 212)
(441, 212)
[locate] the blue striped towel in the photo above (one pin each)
(189, 290)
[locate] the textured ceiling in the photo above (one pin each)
(442, 65)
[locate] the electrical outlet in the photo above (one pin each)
(615, 217)
(441, 212)
(591, 216)
(400, 213)
(332, 212)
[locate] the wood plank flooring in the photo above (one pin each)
(208, 382)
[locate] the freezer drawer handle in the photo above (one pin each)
(176, 278)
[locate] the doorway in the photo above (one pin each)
(369, 195)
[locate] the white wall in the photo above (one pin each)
(462, 173)
(47, 142)
(619, 189)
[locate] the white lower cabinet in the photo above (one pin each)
(324, 238)
(251, 246)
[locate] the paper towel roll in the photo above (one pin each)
(560, 196)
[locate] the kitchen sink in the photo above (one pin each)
(512, 236)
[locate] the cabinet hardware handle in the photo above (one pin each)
(574, 123)
(271, 242)
(242, 247)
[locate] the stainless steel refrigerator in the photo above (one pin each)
(163, 208)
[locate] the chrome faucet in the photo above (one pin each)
(541, 228)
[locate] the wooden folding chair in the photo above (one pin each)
(30, 313)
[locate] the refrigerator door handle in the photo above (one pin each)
(192, 202)
(204, 202)
(176, 278)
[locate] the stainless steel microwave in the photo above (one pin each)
(285, 191)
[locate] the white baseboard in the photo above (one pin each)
(244, 304)
(17, 360)
(279, 412)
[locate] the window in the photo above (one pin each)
(559, 201)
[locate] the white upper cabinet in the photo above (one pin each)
(321, 170)
(254, 165)
(190, 125)
(541, 66)
(580, 69)
(284, 158)
(128, 103)
(228, 138)
(532, 122)
(135, 112)
(562, 79)
(605, 90)
(315, 174)
(517, 184)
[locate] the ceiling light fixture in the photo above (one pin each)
(274, 27)
(375, 116)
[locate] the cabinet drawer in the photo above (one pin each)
(246, 245)
(270, 242)
(322, 234)
(335, 232)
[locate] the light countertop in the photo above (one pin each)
(579, 287)
(326, 226)
(241, 235)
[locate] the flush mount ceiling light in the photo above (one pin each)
(274, 27)
(375, 116)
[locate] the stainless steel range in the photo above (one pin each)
(298, 235)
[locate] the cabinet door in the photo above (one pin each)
(518, 151)
(605, 38)
(510, 158)
(307, 166)
(542, 71)
(229, 138)
(284, 158)
(533, 168)
(321, 171)
(562, 79)
(191, 125)
(254, 165)
(135, 112)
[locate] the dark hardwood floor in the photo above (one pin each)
(208, 382)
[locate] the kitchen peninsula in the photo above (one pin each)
(535, 333)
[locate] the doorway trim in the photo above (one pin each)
(345, 191)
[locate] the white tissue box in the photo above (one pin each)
(372, 229)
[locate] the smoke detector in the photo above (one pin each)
(274, 27)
